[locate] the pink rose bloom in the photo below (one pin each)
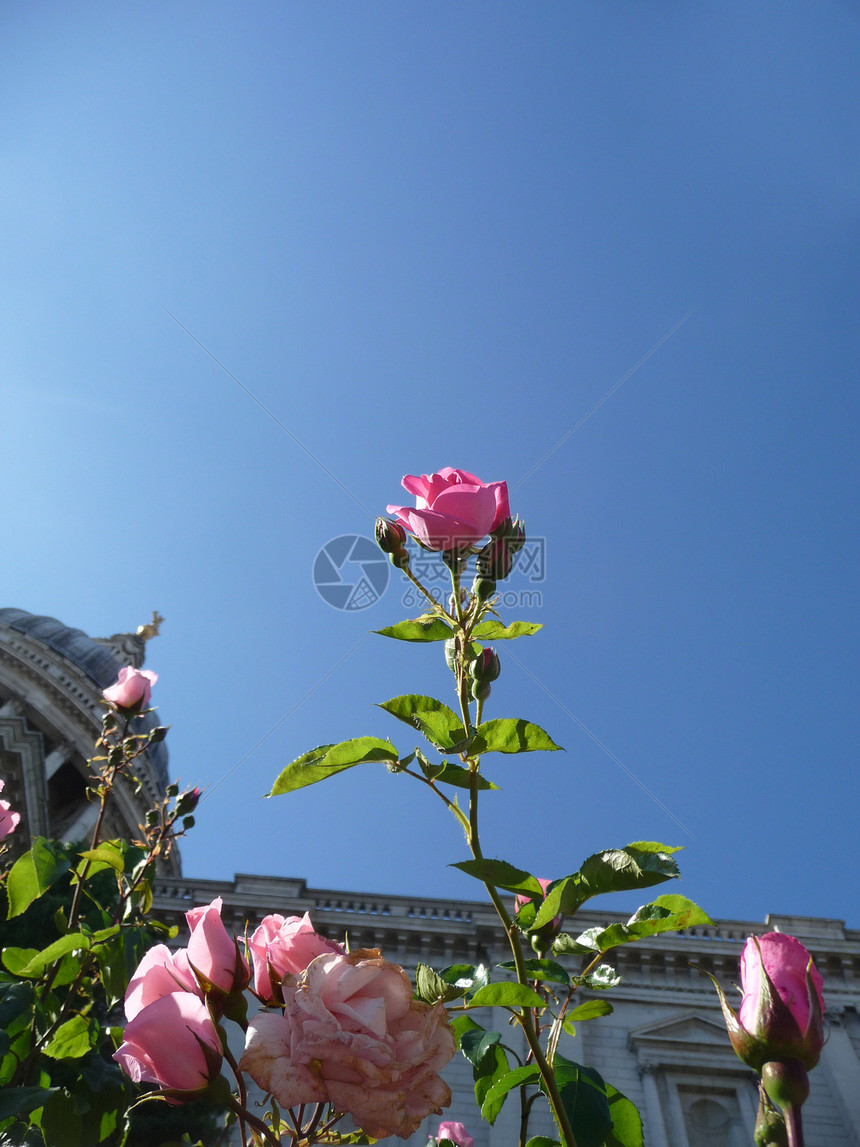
(171, 1042)
(284, 947)
(352, 1035)
(453, 509)
(159, 973)
(521, 900)
(9, 819)
(133, 688)
(212, 951)
(785, 959)
(456, 1132)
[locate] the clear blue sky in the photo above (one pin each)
(438, 234)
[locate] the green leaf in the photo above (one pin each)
(496, 631)
(670, 913)
(433, 629)
(507, 995)
(439, 724)
(430, 987)
(71, 1039)
(565, 945)
(540, 970)
(23, 1100)
(542, 1141)
(511, 735)
(449, 774)
(583, 1095)
(475, 1045)
(501, 875)
(16, 1000)
(71, 942)
(61, 1121)
(109, 854)
(33, 874)
(602, 978)
(520, 1075)
(325, 761)
(493, 1067)
(626, 1121)
(470, 977)
(15, 960)
(638, 865)
(590, 1010)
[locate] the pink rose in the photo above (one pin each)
(172, 1042)
(522, 900)
(453, 509)
(284, 947)
(786, 962)
(456, 1132)
(352, 1035)
(133, 688)
(213, 952)
(159, 973)
(9, 819)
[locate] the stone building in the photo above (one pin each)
(664, 1045)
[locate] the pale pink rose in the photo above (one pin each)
(284, 947)
(9, 819)
(453, 509)
(163, 1045)
(352, 1035)
(132, 689)
(159, 973)
(456, 1132)
(212, 950)
(785, 959)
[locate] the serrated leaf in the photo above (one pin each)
(434, 629)
(638, 865)
(583, 1095)
(470, 977)
(497, 631)
(439, 724)
(71, 1039)
(501, 875)
(670, 913)
(447, 773)
(626, 1121)
(511, 735)
(602, 978)
(507, 995)
(71, 942)
(33, 874)
(109, 854)
(590, 1010)
(565, 945)
(540, 970)
(475, 1045)
(495, 1096)
(430, 987)
(15, 960)
(493, 1067)
(323, 762)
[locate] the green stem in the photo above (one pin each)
(793, 1124)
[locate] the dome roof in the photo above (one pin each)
(94, 659)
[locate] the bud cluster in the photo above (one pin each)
(496, 559)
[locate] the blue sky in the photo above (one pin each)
(431, 235)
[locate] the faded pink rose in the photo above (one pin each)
(159, 973)
(213, 952)
(172, 1042)
(785, 960)
(132, 689)
(453, 509)
(9, 819)
(352, 1035)
(456, 1132)
(284, 947)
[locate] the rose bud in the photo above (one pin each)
(486, 666)
(172, 1042)
(495, 560)
(132, 690)
(214, 955)
(455, 1133)
(780, 1015)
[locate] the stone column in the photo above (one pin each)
(841, 1063)
(55, 759)
(654, 1122)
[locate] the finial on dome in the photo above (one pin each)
(152, 628)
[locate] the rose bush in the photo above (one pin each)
(453, 509)
(172, 1042)
(133, 688)
(284, 947)
(9, 819)
(352, 1035)
(456, 1133)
